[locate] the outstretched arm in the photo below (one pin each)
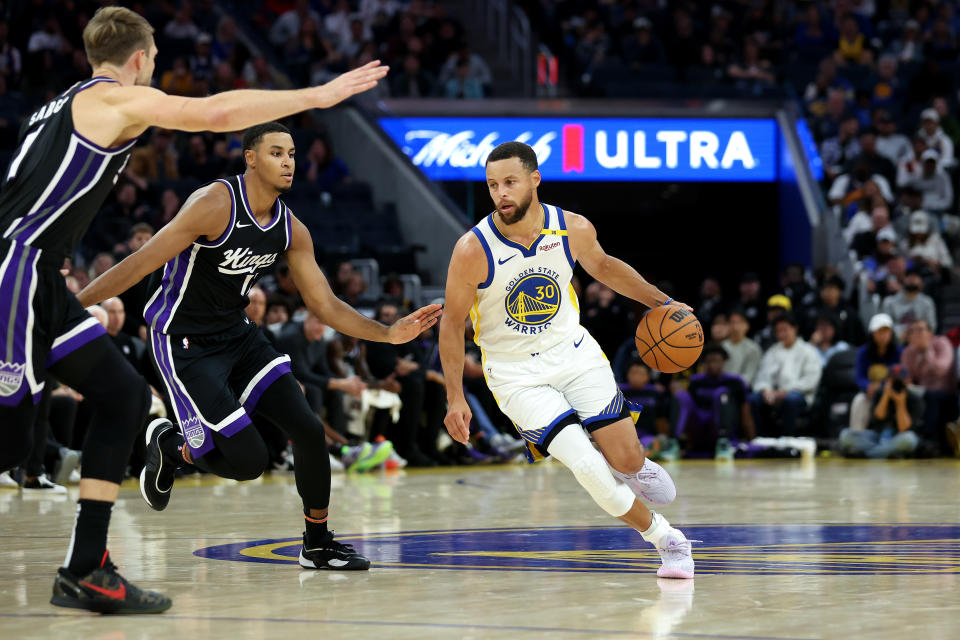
(142, 107)
(468, 268)
(205, 213)
(613, 272)
(320, 300)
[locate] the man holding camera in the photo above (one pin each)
(892, 430)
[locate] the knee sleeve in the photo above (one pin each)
(573, 449)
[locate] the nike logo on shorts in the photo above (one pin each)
(576, 345)
(502, 261)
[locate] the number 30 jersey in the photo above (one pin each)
(204, 289)
(527, 304)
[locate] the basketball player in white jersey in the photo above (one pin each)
(512, 273)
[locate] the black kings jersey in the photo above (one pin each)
(204, 289)
(57, 179)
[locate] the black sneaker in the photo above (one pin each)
(156, 479)
(332, 555)
(105, 591)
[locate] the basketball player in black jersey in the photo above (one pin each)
(67, 160)
(217, 365)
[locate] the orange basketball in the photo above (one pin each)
(669, 338)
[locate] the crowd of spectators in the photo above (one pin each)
(428, 51)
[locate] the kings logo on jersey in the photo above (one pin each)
(193, 432)
(533, 299)
(11, 375)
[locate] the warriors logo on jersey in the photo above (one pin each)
(526, 304)
(532, 301)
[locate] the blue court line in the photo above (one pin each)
(431, 625)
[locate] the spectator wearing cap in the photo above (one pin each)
(849, 329)
(909, 47)
(742, 354)
(934, 137)
(892, 145)
(926, 246)
(788, 378)
(826, 336)
(875, 363)
(861, 232)
(641, 47)
(874, 265)
(201, 60)
(751, 303)
(777, 305)
(910, 304)
(929, 364)
(890, 428)
(933, 182)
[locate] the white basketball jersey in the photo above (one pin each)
(527, 304)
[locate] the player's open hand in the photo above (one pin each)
(350, 84)
(409, 327)
(457, 421)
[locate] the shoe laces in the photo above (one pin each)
(340, 546)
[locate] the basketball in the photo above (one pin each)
(669, 339)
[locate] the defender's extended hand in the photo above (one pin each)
(409, 327)
(350, 84)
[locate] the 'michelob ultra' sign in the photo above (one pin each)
(661, 150)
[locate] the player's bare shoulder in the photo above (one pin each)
(469, 261)
(208, 210)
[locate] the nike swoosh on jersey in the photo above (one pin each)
(241, 226)
(502, 261)
(576, 345)
(117, 594)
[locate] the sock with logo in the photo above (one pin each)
(316, 532)
(88, 544)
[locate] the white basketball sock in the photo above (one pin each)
(659, 527)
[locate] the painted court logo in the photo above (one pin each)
(11, 376)
(533, 299)
(840, 549)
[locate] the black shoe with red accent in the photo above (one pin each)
(105, 591)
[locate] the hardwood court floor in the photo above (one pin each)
(790, 550)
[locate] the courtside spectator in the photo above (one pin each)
(743, 355)
(929, 365)
(876, 361)
(788, 378)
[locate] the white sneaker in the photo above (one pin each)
(676, 555)
(335, 464)
(69, 460)
(398, 461)
(42, 484)
(652, 483)
(7, 482)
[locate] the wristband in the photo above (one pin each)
(667, 301)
